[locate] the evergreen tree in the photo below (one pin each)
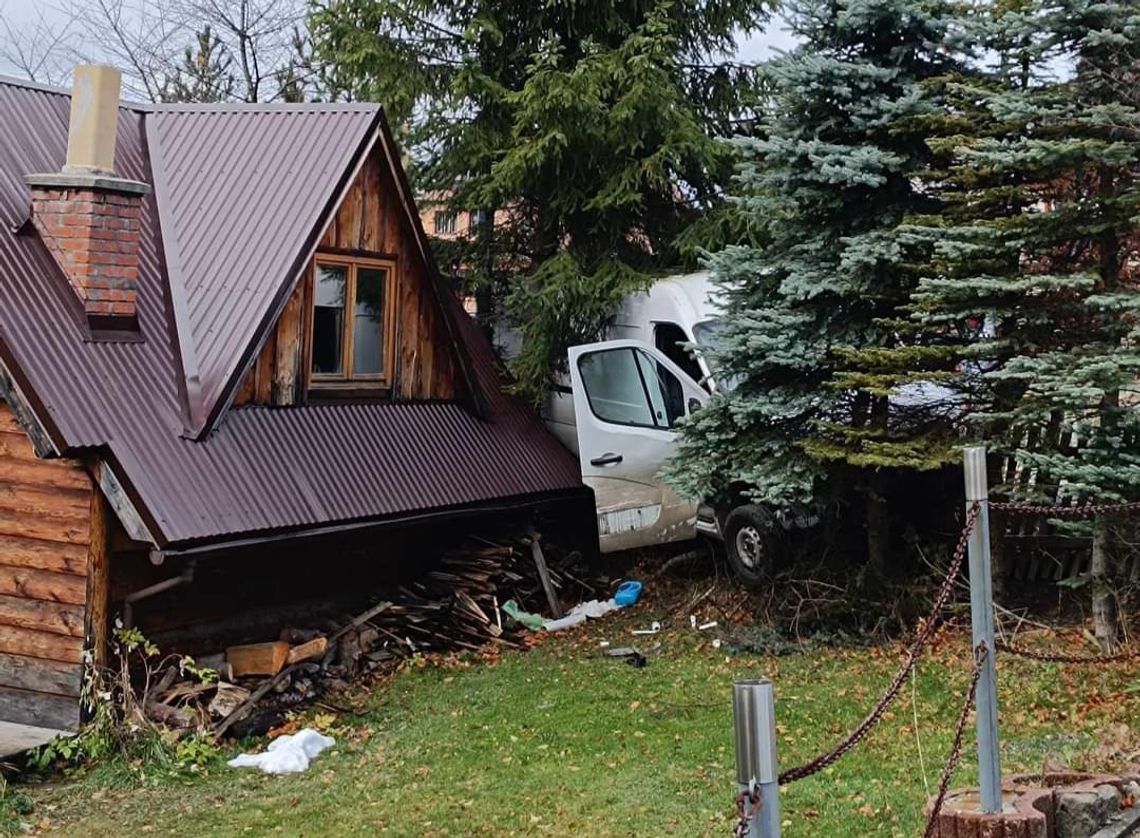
(204, 74)
(590, 124)
(1033, 279)
(813, 313)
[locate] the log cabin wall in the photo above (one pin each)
(371, 221)
(51, 532)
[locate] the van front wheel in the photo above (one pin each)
(751, 541)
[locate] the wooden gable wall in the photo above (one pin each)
(51, 536)
(371, 221)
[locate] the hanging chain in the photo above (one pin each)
(1058, 657)
(747, 806)
(956, 748)
(925, 633)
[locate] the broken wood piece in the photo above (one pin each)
(228, 698)
(544, 575)
(254, 697)
(258, 658)
(307, 651)
(361, 620)
(175, 717)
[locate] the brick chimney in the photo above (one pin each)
(86, 214)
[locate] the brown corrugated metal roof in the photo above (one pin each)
(242, 191)
(262, 469)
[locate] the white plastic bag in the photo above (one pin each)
(290, 754)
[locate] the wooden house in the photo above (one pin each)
(230, 373)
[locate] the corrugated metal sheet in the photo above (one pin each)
(241, 190)
(263, 469)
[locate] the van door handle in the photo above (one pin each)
(606, 460)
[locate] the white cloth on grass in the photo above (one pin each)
(290, 754)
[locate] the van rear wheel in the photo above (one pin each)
(751, 541)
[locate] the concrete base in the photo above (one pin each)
(1047, 806)
(15, 739)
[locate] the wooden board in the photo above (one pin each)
(38, 644)
(40, 675)
(17, 738)
(44, 584)
(38, 615)
(60, 557)
(39, 709)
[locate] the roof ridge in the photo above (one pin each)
(28, 84)
(260, 107)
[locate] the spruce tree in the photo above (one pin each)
(1033, 276)
(813, 312)
(590, 124)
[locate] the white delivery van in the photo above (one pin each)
(618, 409)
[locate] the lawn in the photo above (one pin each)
(560, 740)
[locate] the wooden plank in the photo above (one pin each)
(39, 709)
(371, 218)
(287, 360)
(264, 394)
(248, 388)
(62, 474)
(16, 551)
(17, 446)
(65, 530)
(41, 675)
(43, 584)
(307, 336)
(45, 501)
(14, 406)
(38, 644)
(38, 615)
(96, 625)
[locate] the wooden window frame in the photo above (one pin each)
(348, 379)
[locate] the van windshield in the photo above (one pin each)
(708, 334)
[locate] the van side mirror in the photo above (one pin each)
(694, 404)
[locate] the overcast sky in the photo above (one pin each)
(21, 15)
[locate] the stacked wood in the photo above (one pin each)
(455, 606)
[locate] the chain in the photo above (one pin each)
(915, 652)
(956, 748)
(1084, 510)
(747, 805)
(1057, 657)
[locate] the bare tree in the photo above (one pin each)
(259, 43)
(39, 50)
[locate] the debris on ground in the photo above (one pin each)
(453, 607)
(289, 754)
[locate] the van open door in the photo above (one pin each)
(628, 400)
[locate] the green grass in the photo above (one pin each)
(562, 741)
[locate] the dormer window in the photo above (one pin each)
(352, 332)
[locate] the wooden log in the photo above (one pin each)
(46, 501)
(40, 675)
(71, 530)
(54, 556)
(15, 445)
(43, 584)
(61, 474)
(40, 615)
(258, 658)
(38, 644)
(97, 622)
(309, 650)
(544, 576)
(40, 709)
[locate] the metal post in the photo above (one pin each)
(754, 720)
(982, 622)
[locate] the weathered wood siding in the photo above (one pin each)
(370, 221)
(45, 536)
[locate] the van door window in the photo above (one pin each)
(626, 386)
(666, 394)
(671, 339)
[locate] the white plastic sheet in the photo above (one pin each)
(290, 754)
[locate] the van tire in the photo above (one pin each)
(752, 543)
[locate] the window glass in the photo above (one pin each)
(613, 387)
(665, 391)
(368, 328)
(328, 319)
(445, 222)
(671, 339)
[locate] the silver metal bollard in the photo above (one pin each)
(754, 720)
(982, 622)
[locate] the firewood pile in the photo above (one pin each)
(456, 606)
